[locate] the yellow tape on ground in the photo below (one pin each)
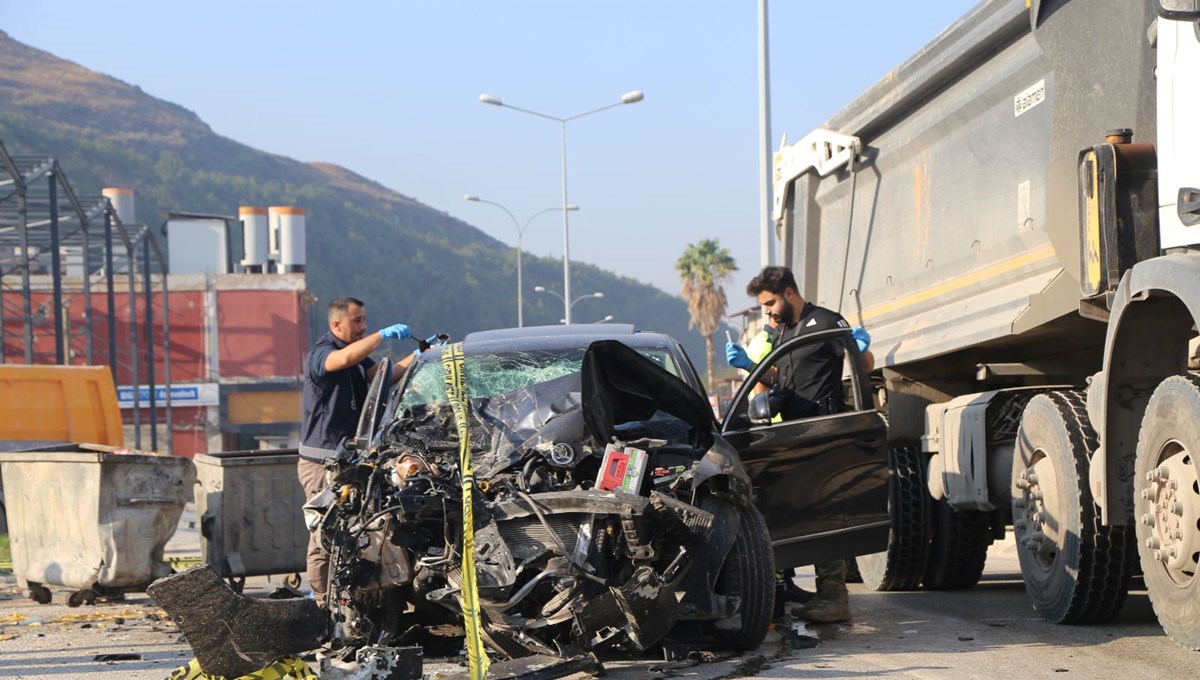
(288, 667)
(456, 391)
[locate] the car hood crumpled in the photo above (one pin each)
(616, 385)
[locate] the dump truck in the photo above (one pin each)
(1012, 213)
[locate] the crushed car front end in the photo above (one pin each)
(607, 511)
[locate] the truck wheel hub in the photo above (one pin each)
(1172, 494)
(1040, 512)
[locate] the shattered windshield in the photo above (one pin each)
(521, 399)
(491, 374)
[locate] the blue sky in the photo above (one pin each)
(390, 90)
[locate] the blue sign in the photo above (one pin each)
(181, 395)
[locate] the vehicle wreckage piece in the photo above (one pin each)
(378, 663)
(537, 667)
(233, 635)
(564, 567)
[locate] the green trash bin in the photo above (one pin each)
(92, 518)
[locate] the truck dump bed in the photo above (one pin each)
(959, 227)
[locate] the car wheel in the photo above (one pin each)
(902, 565)
(1075, 570)
(748, 575)
(1167, 486)
(959, 547)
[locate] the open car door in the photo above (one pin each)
(820, 482)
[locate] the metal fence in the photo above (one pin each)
(57, 247)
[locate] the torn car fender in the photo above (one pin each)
(722, 461)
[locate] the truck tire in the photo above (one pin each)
(1075, 570)
(1167, 497)
(749, 575)
(958, 549)
(902, 565)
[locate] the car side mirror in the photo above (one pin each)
(760, 408)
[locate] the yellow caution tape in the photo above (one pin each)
(181, 562)
(288, 667)
(456, 391)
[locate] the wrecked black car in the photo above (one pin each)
(607, 511)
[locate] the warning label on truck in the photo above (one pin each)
(1029, 98)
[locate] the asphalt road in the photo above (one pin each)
(989, 632)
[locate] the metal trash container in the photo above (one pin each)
(251, 524)
(91, 518)
(9, 445)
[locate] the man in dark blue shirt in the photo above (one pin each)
(337, 371)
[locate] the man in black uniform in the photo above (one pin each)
(808, 380)
(337, 372)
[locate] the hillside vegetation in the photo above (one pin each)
(408, 261)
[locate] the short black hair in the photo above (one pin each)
(772, 279)
(341, 305)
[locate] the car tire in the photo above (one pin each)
(749, 575)
(958, 550)
(902, 565)
(1167, 496)
(1075, 570)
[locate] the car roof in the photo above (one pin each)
(559, 337)
(592, 330)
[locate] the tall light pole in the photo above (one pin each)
(627, 98)
(566, 305)
(765, 156)
(520, 234)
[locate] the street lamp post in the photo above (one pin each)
(520, 234)
(627, 98)
(567, 319)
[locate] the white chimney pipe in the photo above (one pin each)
(122, 201)
(254, 238)
(291, 240)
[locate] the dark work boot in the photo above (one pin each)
(832, 601)
(785, 585)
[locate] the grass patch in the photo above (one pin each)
(5, 555)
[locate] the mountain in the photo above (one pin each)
(409, 262)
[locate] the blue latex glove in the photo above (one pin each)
(396, 331)
(736, 356)
(862, 337)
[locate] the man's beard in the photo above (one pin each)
(785, 315)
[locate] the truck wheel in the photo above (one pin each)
(959, 547)
(1075, 570)
(1167, 497)
(749, 575)
(902, 565)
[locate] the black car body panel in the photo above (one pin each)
(820, 482)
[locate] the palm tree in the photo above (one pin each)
(703, 267)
